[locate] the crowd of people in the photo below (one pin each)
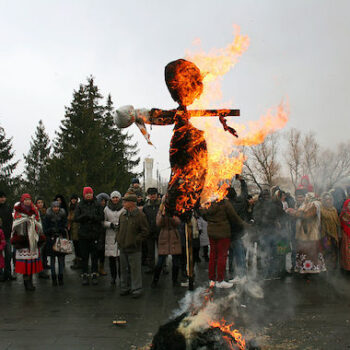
(272, 233)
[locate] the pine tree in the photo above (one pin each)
(8, 180)
(89, 150)
(122, 154)
(36, 163)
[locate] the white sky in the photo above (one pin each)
(298, 49)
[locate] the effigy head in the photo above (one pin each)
(184, 81)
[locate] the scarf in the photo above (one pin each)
(329, 222)
(115, 207)
(345, 218)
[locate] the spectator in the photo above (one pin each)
(26, 226)
(220, 216)
(309, 259)
(55, 227)
(169, 243)
(135, 187)
(63, 204)
(151, 209)
(330, 230)
(345, 242)
(89, 214)
(41, 206)
(266, 216)
(6, 218)
(102, 199)
(236, 250)
(112, 213)
(203, 237)
(132, 230)
(73, 229)
(2, 248)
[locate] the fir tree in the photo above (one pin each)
(8, 181)
(89, 150)
(36, 163)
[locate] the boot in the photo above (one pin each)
(94, 279)
(101, 270)
(28, 284)
(60, 280)
(54, 280)
(156, 275)
(44, 275)
(85, 279)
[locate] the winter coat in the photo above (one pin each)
(203, 228)
(54, 226)
(111, 216)
(151, 210)
(73, 227)
(19, 234)
(6, 217)
(169, 241)
(266, 214)
(2, 248)
(89, 214)
(220, 217)
(132, 230)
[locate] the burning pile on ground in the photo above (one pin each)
(198, 324)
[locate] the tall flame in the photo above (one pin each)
(225, 157)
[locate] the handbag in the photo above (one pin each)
(63, 246)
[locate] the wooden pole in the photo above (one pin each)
(189, 256)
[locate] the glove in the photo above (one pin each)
(112, 226)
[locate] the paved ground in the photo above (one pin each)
(295, 314)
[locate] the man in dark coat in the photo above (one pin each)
(267, 215)
(150, 209)
(6, 218)
(237, 251)
(89, 214)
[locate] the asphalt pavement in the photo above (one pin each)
(296, 313)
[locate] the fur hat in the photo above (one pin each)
(152, 190)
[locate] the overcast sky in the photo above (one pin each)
(298, 49)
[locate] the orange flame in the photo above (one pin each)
(231, 333)
(225, 157)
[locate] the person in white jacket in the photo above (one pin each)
(112, 212)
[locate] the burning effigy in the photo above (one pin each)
(204, 159)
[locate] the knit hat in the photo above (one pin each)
(2, 194)
(130, 198)
(55, 204)
(116, 194)
(102, 196)
(135, 181)
(74, 196)
(25, 196)
(87, 190)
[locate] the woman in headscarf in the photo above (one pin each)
(345, 242)
(112, 212)
(330, 226)
(26, 237)
(309, 258)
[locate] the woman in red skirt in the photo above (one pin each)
(26, 237)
